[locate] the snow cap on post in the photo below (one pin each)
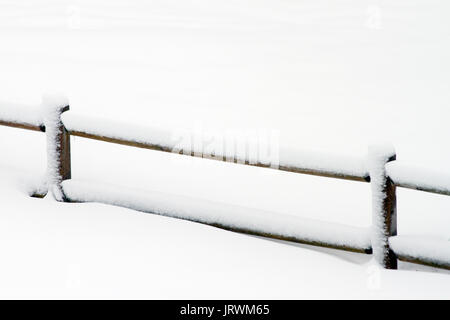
(54, 101)
(384, 210)
(58, 144)
(380, 151)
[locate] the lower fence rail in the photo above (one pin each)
(434, 252)
(424, 262)
(229, 217)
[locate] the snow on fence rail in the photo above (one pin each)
(383, 172)
(225, 216)
(20, 116)
(160, 139)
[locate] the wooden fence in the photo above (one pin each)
(383, 188)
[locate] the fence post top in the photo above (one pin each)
(382, 150)
(55, 102)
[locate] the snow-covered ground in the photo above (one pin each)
(331, 76)
(59, 250)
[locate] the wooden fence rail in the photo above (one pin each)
(22, 125)
(383, 180)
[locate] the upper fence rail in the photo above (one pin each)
(22, 125)
(306, 162)
(160, 139)
(20, 116)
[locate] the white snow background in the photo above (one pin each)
(330, 76)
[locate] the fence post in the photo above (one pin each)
(384, 205)
(58, 146)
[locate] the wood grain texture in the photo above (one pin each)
(389, 216)
(22, 125)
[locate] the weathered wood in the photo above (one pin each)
(384, 203)
(58, 157)
(120, 141)
(63, 138)
(22, 125)
(390, 217)
(326, 174)
(294, 239)
(38, 195)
